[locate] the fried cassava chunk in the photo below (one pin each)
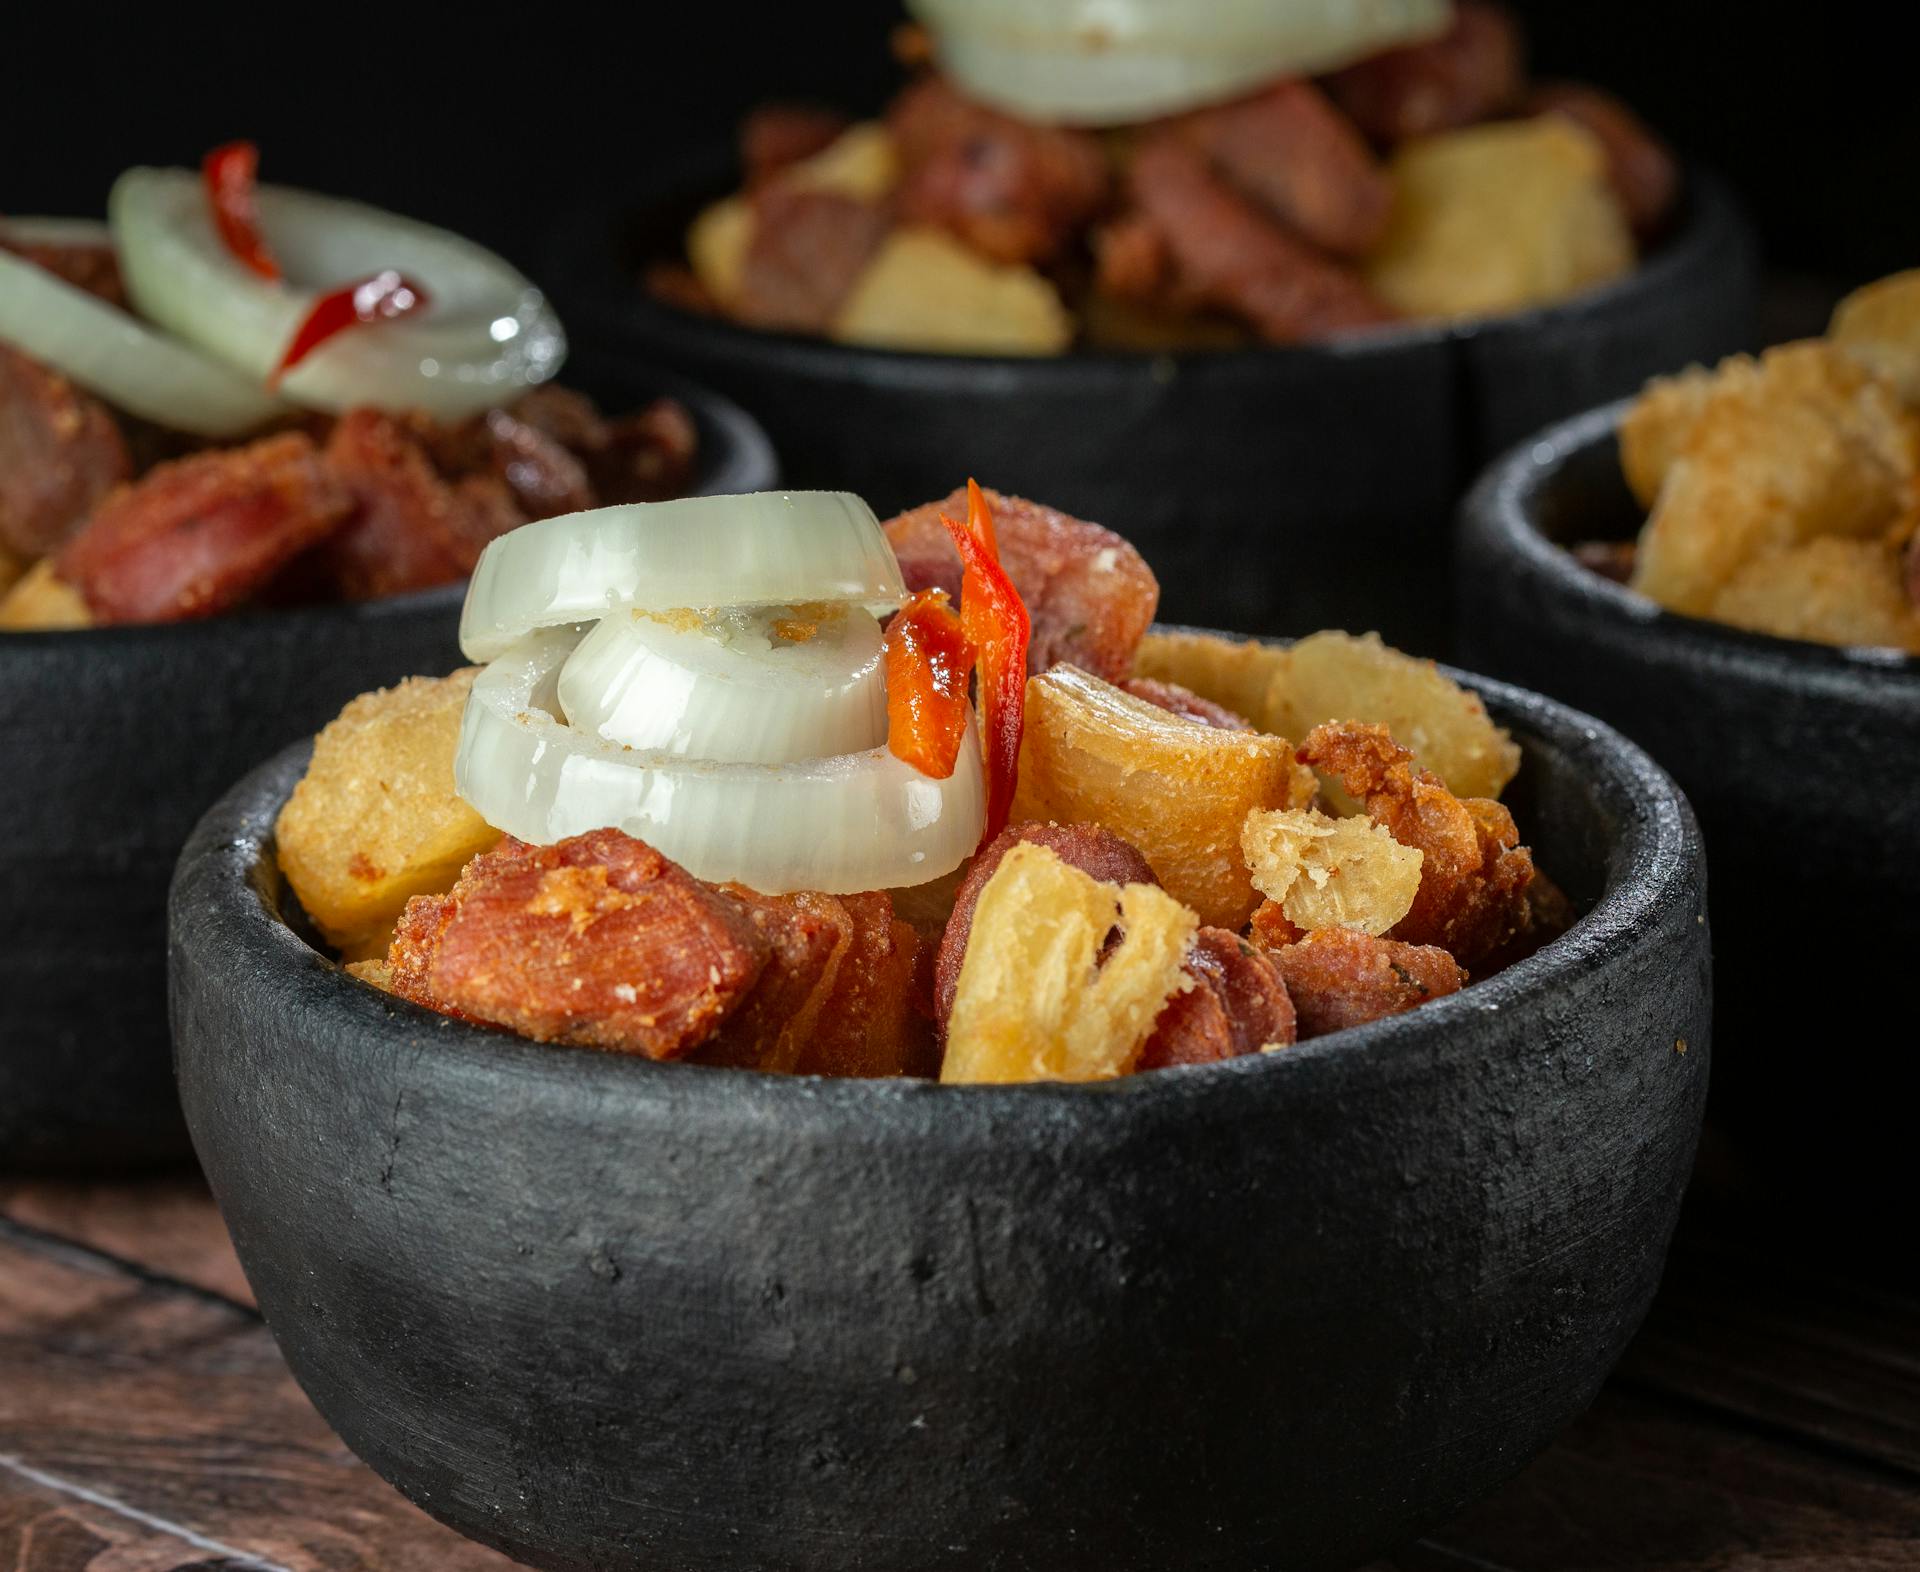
(1089, 593)
(1175, 789)
(40, 601)
(376, 820)
(1042, 995)
(1331, 873)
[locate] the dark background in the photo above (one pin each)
(491, 125)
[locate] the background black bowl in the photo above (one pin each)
(1804, 764)
(112, 743)
(1271, 489)
(604, 1313)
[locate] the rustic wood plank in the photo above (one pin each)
(167, 1224)
(143, 1422)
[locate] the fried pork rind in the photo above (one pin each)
(927, 291)
(1879, 325)
(1336, 676)
(1498, 217)
(1338, 978)
(1656, 428)
(1472, 899)
(1175, 789)
(375, 820)
(1036, 1001)
(1331, 873)
(42, 600)
(1833, 591)
(1803, 443)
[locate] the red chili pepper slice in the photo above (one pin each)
(928, 662)
(231, 172)
(381, 298)
(994, 620)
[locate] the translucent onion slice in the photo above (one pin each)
(755, 685)
(115, 355)
(487, 335)
(766, 548)
(856, 821)
(1109, 62)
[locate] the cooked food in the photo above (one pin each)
(242, 395)
(770, 800)
(1783, 491)
(1163, 181)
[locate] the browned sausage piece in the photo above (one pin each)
(1014, 191)
(1176, 700)
(1089, 593)
(60, 453)
(1238, 1005)
(597, 941)
(1228, 254)
(1339, 977)
(775, 137)
(1476, 69)
(1302, 160)
(1640, 166)
(200, 535)
(807, 251)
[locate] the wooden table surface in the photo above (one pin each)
(1768, 1417)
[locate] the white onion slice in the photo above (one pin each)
(118, 357)
(485, 335)
(858, 821)
(1110, 62)
(735, 685)
(766, 548)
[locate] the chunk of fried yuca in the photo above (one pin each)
(1879, 325)
(1656, 427)
(1497, 217)
(1802, 443)
(1035, 1001)
(1337, 677)
(375, 820)
(1829, 590)
(41, 601)
(1236, 673)
(925, 290)
(1172, 787)
(1331, 873)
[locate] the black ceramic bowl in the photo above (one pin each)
(112, 743)
(604, 1313)
(1802, 761)
(1271, 489)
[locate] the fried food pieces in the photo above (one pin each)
(1237, 1005)
(1089, 593)
(40, 601)
(1783, 492)
(60, 453)
(921, 289)
(375, 820)
(1338, 977)
(1174, 788)
(1331, 873)
(1472, 899)
(1498, 217)
(1041, 996)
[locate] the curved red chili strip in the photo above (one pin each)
(994, 620)
(231, 172)
(928, 663)
(385, 296)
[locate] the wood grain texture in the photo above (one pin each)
(167, 1224)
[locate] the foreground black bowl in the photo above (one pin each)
(1271, 489)
(113, 743)
(603, 1313)
(1802, 761)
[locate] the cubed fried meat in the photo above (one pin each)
(1227, 253)
(1340, 977)
(60, 453)
(1013, 190)
(775, 137)
(1090, 595)
(1472, 899)
(1474, 70)
(198, 536)
(807, 251)
(1297, 156)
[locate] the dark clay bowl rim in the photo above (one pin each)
(747, 462)
(607, 294)
(1503, 508)
(1652, 867)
